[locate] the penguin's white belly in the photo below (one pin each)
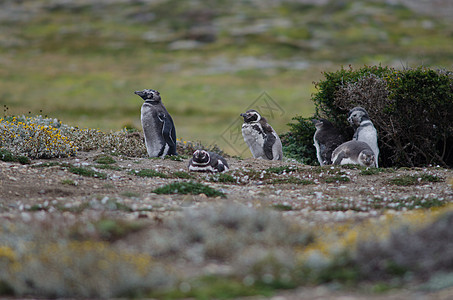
(318, 151)
(254, 140)
(347, 160)
(152, 133)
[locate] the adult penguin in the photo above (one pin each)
(261, 138)
(158, 127)
(326, 139)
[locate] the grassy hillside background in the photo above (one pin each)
(80, 61)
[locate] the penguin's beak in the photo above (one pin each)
(140, 93)
(316, 121)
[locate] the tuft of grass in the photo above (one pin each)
(372, 171)
(215, 287)
(410, 203)
(282, 207)
(87, 172)
(193, 188)
(109, 167)
(68, 182)
(407, 180)
(292, 180)
(222, 177)
(337, 178)
(182, 175)
(105, 160)
(8, 156)
(148, 173)
(174, 157)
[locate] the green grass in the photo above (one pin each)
(181, 174)
(408, 180)
(336, 179)
(412, 202)
(193, 188)
(67, 182)
(291, 180)
(105, 160)
(7, 156)
(223, 178)
(282, 207)
(86, 171)
(109, 167)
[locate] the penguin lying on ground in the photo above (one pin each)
(326, 139)
(204, 161)
(364, 129)
(158, 127)
(354, 152)
(261, 138)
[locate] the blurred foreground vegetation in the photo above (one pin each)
(81, 61)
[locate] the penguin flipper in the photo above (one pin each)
(168, 133)
(339, 158)
(269, 141)
(324, 152)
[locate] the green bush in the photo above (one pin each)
(298, 142)
(411, 109)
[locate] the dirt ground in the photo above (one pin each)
(302, 193)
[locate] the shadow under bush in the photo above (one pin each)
(412, 111)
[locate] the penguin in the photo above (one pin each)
(158, 127)
(204, 161)
(364, 129)
(354, 152)
(326, 139)
(260, 137)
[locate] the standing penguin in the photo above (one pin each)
(158, 126)
(261, 138)
(354, 152)
(326, 139)
(204, 161)
(364, 129)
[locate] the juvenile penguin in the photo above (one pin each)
(260, 137)
(158, 127)
(204, 161)
(326, 139)
(354, 152)
(364, 129)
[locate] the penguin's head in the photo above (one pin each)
(357, 115)
(367, 158)
(251, 116)
(320, 123)
(149, 95)
(201, 157)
